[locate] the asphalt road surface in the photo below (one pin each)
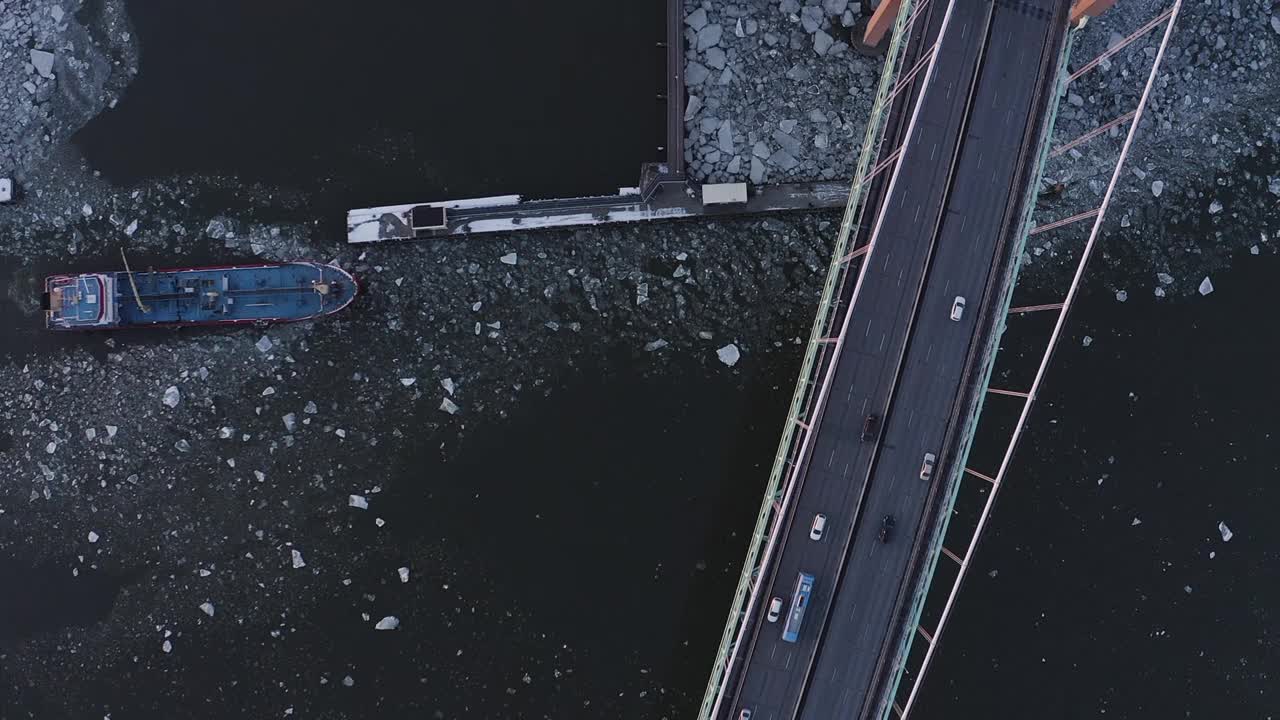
(903, 359)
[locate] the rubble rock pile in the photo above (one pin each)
(775, 94)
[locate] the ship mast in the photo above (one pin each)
(138, 298)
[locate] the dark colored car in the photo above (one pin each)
(869, 427)
(886, 527)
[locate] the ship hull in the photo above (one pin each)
(202, 296)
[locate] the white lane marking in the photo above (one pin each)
(917, 217)
(910, 421)
(964, 220)
(964, 31)
(929, 353)
(865, 401)
(946, 287)
(979, 161)
(847, 467)
(884, 337)
(832, 458)
(867, 332)
(933, 154)
(833, 674)
(787, 665)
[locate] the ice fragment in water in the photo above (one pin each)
(448, 406)
(172, 396)
(508, 259)
(263, 344)
(1206, 286)
(207, 607)
(1157, 187)
(390, 622)
(407, 382)
(448, 385)
(404, 574)
(729, 354)
(298, 562)
(358, 501)
(1225, 531)
(93, 536)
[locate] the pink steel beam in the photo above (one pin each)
(1120, 46)
(906, 80)
(1090, 135)
(1035, 308)
(825, 388)
(856, 253)
(1048, 353)
(975, 473)
(1012, 393)
(1064, 221)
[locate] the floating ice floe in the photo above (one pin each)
(448, 406)
(298, 562)
(1157, 187)
(172, 396)
(264, 344)
(404, 574)
(1206, 286)
(93, 536)
(508, 259)
(390, 622)
(729, 354)
(448, 385)
(1225, 532)
(408, 382)
(358, 501)
(207, 608)
(290, 422)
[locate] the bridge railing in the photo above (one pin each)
(817, 356)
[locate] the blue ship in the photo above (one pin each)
(226, 295)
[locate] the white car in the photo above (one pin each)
(819, 524)
(775, 609)
(926, 469)
(957, 308)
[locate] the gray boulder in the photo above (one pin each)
(43, 62)
(695, 73)
(697, 19)
(709, 36)
(822, 42)
(783, 159)
(786, 142)
(715, 58)
(811, 18)
(725, 137)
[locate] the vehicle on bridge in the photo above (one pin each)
(799, 603)
(775, 609)
(819, 525)
(886, 528)
(926, 469)
(869, 427)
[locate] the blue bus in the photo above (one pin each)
(799, 603)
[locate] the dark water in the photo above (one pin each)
(1173, 408)
(388, 101)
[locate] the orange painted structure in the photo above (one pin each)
(880, 22)
(1090, 8)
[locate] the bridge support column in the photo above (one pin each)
(1090, 8)
(881, 20)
